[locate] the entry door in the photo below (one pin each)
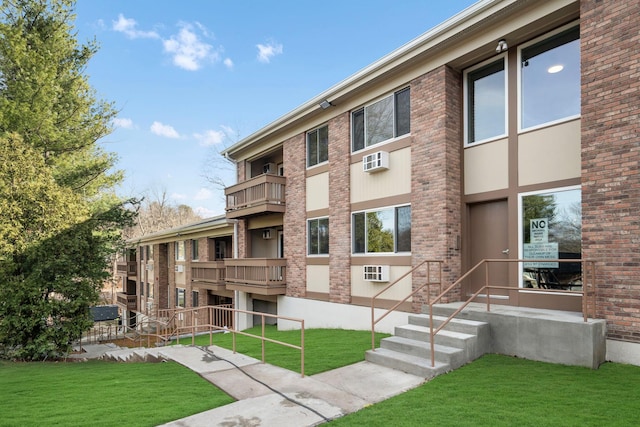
(488, 239)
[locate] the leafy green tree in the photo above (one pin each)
(59, 219)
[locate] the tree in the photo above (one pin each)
(158, 213)
(60, 221)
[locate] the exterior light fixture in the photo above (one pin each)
(502, 46)
(325, 104)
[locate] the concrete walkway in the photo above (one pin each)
(271, 396)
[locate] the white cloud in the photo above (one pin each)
(121, 122)
(164, 130)
(203, 194)
(211, 137)
(128, 27)
(188, 50)
(268, 51)
(228, 63)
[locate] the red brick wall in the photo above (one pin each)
(339, 210)
(436, 174)
(610, 49)
(294, 153)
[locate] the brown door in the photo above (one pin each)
(488, 239)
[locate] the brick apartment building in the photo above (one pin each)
(509, 131)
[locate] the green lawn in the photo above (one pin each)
(102, 394)
(325, 349)
(505, 391)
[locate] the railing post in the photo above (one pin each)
(486, 284)
(262, 316)
(302, 349)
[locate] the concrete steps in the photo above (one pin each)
(409, 350)
(139, 354)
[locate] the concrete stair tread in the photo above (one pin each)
(441, 319)
(445, 349)
(443, 332)
(407, 363)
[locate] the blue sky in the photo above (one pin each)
(189, 78)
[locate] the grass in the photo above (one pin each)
(504, 391)
(325, 349)
(102, 394)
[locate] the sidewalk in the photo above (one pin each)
(273, 396)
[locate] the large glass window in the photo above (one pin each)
(550, 79)
(486, 100)
(382, 120)
(318, 232)
(382, 231)
(552, 229)
(318, 146)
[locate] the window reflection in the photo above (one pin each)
(486, 102)
(550, 79)
(552, 229)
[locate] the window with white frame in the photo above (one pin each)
(179, 249)
(318, 232)
(550, 78)
(318, 146)
(486, 101)
(180, 297)
(385, 230)
(382, 120)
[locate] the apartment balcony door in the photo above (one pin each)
(280, 244)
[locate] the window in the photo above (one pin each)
(382, 120)
(318, 146)
(550, 79)
(142, 289)
(382, 231)
(195, 295)
(486, 100)
(552, 229)
(318, 232)
(179, 247)
(220, 250)
(194, 250)
(179, 297)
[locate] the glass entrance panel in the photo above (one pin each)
(551, 229)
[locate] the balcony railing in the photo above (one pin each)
(126, 300)
(209, 275)
(130, 268)
(264, 276)
(262, 194)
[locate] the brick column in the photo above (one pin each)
(339, 210)
(610, 52)
(436, 174)
(295, 217)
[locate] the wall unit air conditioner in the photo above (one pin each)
(269, 168)
(149, 267)
(267, 234)
(376, 273)
(179, 268)
(375, 162)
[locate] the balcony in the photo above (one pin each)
(208, 275)
(262, 194)
(262, 276)
(126, 300)
(127, 268)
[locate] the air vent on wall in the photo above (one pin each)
(376, 273)
(269, 168)
(149, 267)
(375, 162)
(179, 268)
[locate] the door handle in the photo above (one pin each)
(506, 251)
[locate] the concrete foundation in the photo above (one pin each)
(623, 352)
(537, 334)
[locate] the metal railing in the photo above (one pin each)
(588, 281)
(588, 275)
(438, 281)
